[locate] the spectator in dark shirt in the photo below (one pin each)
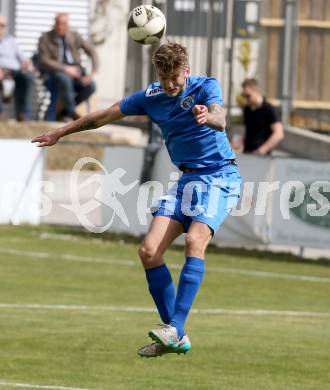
(60, 61)
(263, 128)
(15, 73)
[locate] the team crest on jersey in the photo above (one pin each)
(154, 91)
(187, 102)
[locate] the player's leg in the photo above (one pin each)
(222, 195)
(23, 94)
(64, 85)
(197, 239)
(83, 91)
(198, 236)
(161, 234)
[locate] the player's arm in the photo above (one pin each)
(275, 138)
(88, 122)
(213, 116)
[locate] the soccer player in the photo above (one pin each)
(188, 109)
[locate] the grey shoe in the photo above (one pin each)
(165, 335)
(155, 349)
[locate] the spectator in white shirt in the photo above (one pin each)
(15, 71)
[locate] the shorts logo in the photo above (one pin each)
(154, 91)
(187, 102)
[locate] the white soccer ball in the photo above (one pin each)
(146, 24)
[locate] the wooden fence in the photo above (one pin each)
(311, 72)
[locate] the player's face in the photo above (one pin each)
(251, 95)
(175, 82)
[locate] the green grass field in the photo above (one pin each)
(74, 309)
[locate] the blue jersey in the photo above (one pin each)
(188, 144)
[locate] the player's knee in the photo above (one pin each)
(193, 238)
(147, 252)
(195, 243)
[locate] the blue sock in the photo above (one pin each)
(190, 279)
(162, 290)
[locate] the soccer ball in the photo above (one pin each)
(146, 24)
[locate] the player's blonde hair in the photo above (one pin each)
(169, 57)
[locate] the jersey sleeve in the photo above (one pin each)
(272, 115)
(134, 104)
(245, 110)
(211, 92)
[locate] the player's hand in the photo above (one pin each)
(73, 71)
(200, 113)
(27, 65)
(85, 80)
(260, 151)
(48, 139)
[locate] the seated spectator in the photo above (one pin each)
(15, 74)
(263, 128)
(60, 62)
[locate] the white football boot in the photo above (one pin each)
(165, 335)
(156, 349)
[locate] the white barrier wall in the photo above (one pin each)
(20, 181)
(244, 226)
(284, 201)
(127, 161)
(263, 215)
(307, 224)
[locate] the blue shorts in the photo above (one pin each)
(206, 197)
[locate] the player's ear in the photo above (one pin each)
(187, 71)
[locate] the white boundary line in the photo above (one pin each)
(134, 309)
(68, 257)
(130, 263)
(29, 386)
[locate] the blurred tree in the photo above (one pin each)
(245, 56)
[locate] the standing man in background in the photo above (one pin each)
(263, 128)
(60, 61)
(15, 74)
